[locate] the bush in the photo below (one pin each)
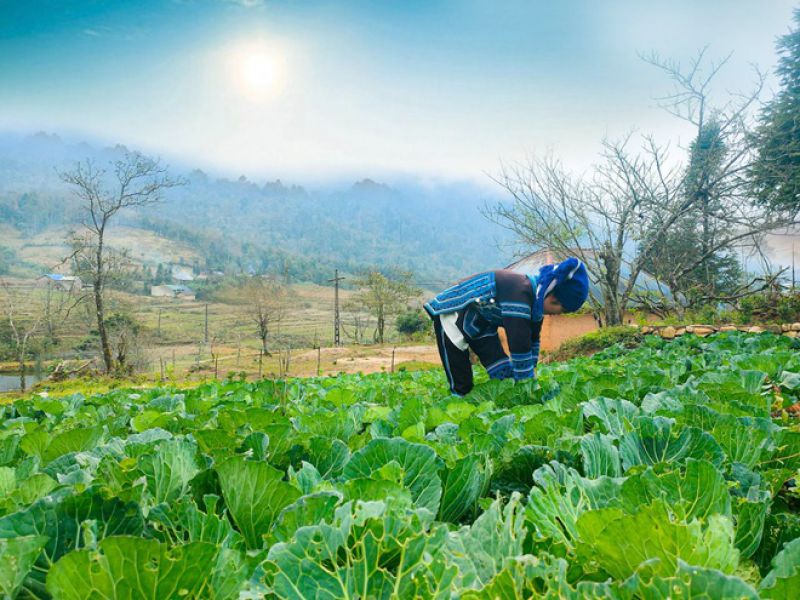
(588, 344)
(770, 308)
(412, 322)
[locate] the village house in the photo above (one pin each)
(67, 283)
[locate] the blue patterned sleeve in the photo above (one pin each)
(523, 354)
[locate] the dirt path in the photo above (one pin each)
(354, 359)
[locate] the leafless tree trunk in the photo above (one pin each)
(135, 181)
(264, 301)
(23, 327)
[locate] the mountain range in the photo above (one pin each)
(434, 229)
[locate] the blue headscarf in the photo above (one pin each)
(568, 280)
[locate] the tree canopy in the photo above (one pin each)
(776, 171)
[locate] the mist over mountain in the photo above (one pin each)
(435, 230)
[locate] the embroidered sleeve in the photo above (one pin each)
(523, 359)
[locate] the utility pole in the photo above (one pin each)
(159, 322)
(337, 340)
(205, 337)
(793, 266)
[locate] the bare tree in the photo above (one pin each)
(617, 216)
(60, 302)
(134, 181)
(265, 302)
(361, 323)
(383, 296)
(24, 325)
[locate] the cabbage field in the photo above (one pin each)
(668, 471)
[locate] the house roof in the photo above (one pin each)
(60, 277)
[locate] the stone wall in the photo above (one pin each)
(672, 331)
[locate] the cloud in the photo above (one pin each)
(246, 3)
(119, 33)
(95, 32)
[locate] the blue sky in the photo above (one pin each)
(303, 89)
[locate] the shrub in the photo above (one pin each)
(412, 322)
(770, 308)
(588, 344)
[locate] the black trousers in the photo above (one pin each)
(456, 362)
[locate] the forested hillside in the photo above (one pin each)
(435, 230)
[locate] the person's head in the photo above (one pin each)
(562, 288)
(572, 286)
(552, 305)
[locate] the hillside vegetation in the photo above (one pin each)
(242, 226)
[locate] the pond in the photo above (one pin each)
(10, 381)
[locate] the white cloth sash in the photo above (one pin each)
(453, 332)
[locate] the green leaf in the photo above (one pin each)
(8, 448)
(58, 518)
(600, 456)
(697, 493)
(17, 556)
(184, 521)
(614, 539)
(779, 529)
(743, 439)
(133, 568)
(368, 551)
(658, 439)
(687, 582)
(254, 493)
(328, 456)
(312, 509)
(554, 506)
(80, 439)
(482, 550)
(418, 463)
(169, 469)
(463, 485)
(783, 581)
(614, 416)
(751, 512)
(28, 491)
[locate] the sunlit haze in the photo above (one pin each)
(327, 89)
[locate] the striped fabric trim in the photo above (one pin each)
(520, 375)
(523, 365)
(515, 309)
(478, 288)
(503, 362)
(446, 362)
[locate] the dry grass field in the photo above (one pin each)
(172, 340)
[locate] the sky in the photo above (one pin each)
(304, 89)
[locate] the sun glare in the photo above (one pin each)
(258, 70)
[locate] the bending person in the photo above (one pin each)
(467, 315)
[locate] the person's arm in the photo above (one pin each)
(524, 353)
(515, 299)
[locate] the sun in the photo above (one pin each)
(258, 70)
